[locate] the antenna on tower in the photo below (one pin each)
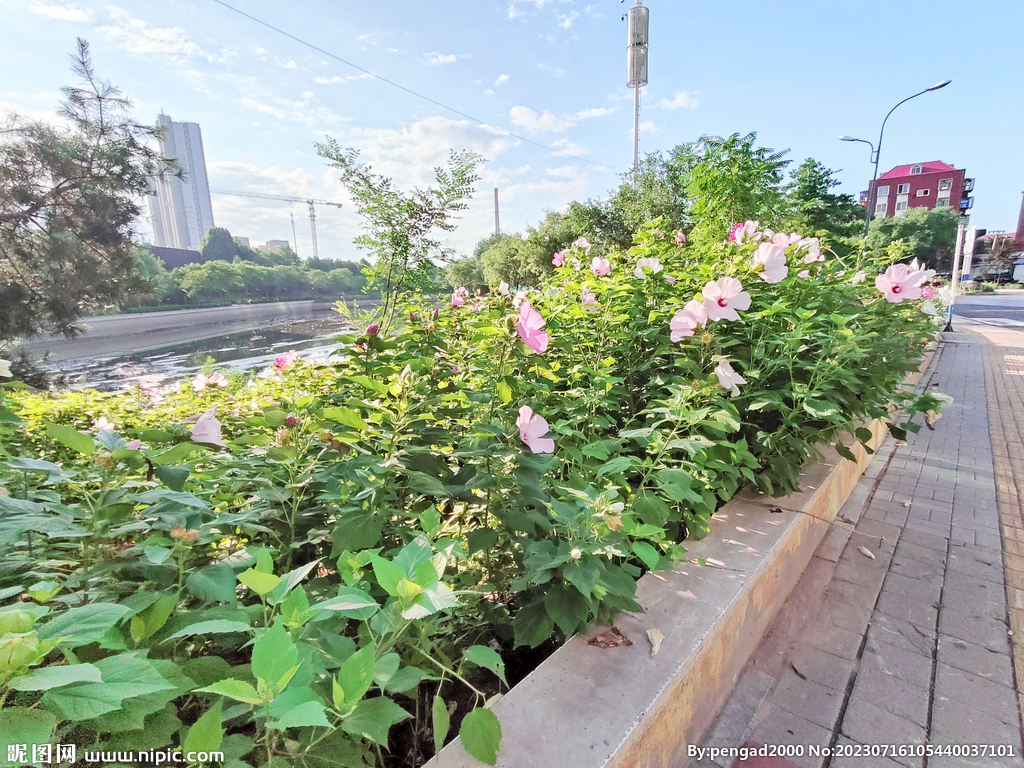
(637, 36)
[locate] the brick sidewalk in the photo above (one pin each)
(910, 646)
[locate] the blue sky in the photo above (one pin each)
(799, 73)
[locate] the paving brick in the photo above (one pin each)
(778, 726)
(821, 667)
(924, 591)
(902, 634)
(836, 640)
(983, 662)
(902, 607)
(954, 685)
(909, 665)
(894, 695)
(807, 699)
(970, 626)
(870, 724)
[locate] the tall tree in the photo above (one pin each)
(929, 234)
(813, 207)
(218, 245)
(69, 200)
(399, 227)
(729, 180)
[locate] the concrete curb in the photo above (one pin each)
(585, 707)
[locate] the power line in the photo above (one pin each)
(476, 120)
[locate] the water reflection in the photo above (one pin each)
(245, 350)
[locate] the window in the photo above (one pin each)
(923, 192)
(883, 191)
(945, 185)
(942, 201)
(881, 208)
(915, 170)
(901, 205)
(903, 189)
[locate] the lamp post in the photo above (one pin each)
(875, 151)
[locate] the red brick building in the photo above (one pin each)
(920, 185)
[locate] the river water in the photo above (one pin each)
(311, 339)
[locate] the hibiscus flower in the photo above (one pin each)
(529, 327)
(723, 297)
(532, 431)
(687, 319)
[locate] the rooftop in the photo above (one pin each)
(936, 166)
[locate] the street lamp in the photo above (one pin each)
(875, 151)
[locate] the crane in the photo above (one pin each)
(310, 201)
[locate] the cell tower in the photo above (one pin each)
(636, 54)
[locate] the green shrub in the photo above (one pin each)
(328, 549)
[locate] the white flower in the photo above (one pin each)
(945, 295)
(858, 278)
(576, 554)
(916, 266)
(5, 368)
(503, 288)
(653, 264)
(728, 378)
(929, 307)
(552, 291)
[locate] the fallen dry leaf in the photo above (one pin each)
(610, 638)
(866, 552)
(844, 519)
(656, 637)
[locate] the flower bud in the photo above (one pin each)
(290, 420)
(576, 554)
(326, 435)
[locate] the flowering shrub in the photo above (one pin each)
(286, 568)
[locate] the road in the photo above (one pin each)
(1004, 308)
(111, 335)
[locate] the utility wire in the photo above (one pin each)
(476, 120)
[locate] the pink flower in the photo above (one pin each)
(289, 420)
(722, 297)
(743, 231)
(529, 327)
(728, 378)
(803, 274)
(284, 361)
(773, 259)
(670, 279)
(558, 258)
(652, 263)
(102, 425)
(532, 428)
(154, 395)
(680, 238)
(687, 319)
(898, 282)
(927, 292)
(372, 330)
(600, 267)
(658, 233)
(459, 297)
(588, 298)
(583, 243)
(133, 445)
(813, 248)
(207, 430)
(201, 382)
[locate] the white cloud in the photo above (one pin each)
(62, 12)
(647, 127)
(304, 110)
(488, 92)
(502, 79)
(289, 64)
(569, 148)
(441, 58)
(566, 20)
(340, 79)
(136, 36)
(551, 70)
(682, 100)
(529, 119)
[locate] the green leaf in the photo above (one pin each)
(647, 553)
(206, 734)
(404, 680)
(532, 625)
(864, 434)
(487, 658)
(214, 583)
(83, 625)
(310, 713)
(274, 417)
(56, 676)
(7, 416)
(385, 668)
(567, 607)
(373, 719)
(355, 530)
(150, 621)
(481, 735)
(356, 675)
(274, 654)
(72, 438)
(352, 603)
(615, 466)
(442, 723)
(504, 391)
(173, 477)
(239, 690)
(258, 582)
(845, 452)
(20, 725)
(583, 574)
(481, 539)
(211, 627)
(289, 581)
(85, 701)
(346, 417)
(388, 575)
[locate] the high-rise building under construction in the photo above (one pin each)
(180, 207)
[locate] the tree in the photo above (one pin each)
(729, 180)
(814, 208)
(69, 199)
(467, 272)
(398, 227)
(218, 245)
(513, 260)
(930, 235)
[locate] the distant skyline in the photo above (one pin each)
(553, 71)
